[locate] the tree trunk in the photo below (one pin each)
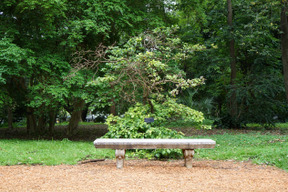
(233, 103)
(52, 121)
(40, 128)
(284, 44)
(151, 106)
(75, 116)
(31, 121)
(10, 118)
(113, 107)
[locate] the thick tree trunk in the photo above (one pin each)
(284, 44)
(75, 116)
(41, 125)
(233, 103)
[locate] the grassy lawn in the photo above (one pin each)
(260, 149)
(13, 152)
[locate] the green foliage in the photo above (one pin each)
(203, 104)
(146, 67)
(260, 99)
(184, 125)
(170, 110)
(10, 57)
(37, 39)
(259, 88)
(132, 124)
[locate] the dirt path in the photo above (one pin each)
(143, 175)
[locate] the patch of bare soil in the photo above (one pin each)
(144, 175)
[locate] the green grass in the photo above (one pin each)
(282, 125)
(45, 152)
(260, 149)
(260, 127)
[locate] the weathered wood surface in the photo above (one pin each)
(154, 143)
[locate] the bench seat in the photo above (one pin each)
(187, 145)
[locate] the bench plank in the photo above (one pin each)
(154, 143)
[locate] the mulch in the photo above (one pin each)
(144, 175)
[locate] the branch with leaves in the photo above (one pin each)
(147, 66)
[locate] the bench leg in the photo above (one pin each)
(188, 156)
(120, 156)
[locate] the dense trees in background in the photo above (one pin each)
(38, 39)
(284, 42)
(253, 77)
(239, 47)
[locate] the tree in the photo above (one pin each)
(11, 57)
(255, 34)
(233, 67)
(44, 34)
(143, 69)
(284, 42)
(137, 17)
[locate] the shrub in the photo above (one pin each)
(132, 124)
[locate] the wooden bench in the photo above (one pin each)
(187, 146)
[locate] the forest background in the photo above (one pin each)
(168, 59)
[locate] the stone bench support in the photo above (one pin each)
(187, 146)
(188, 156)
(120, 156)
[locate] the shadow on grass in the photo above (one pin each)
(93, 131)
(84, 133)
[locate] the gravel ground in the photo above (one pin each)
(144, 175)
